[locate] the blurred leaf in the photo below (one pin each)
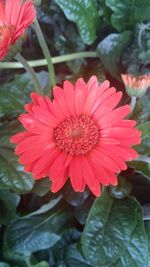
(136, 252)
(126, 13)
(138, 110)
(4, 264)
(109, 228)
(141, 167)
(8, 203)
(147, 228)
(15, 94)
(93, 66)
(18, 260)
(12, 175)
(122, 190)
(45, 207)
(41, 264)
(41, 187)
(81, 212)
(137, 54)
(73, 258)
(65, 252)
(80, 12)
(146, 211)
(72, 197)
(27, 235)
(144, 147)
(145, 115)
(110, 50)
(61, 34)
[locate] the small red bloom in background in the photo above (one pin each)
(15, 17)
(80, 134)
(136, 85)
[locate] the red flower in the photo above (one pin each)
(80, 134)
(15, 18)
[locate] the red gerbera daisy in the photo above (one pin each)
(80, 134)
(15, 18)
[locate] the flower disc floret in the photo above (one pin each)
(77, 135)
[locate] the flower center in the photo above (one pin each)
(77, 135)
(6, 31)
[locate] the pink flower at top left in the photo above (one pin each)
(15, 17)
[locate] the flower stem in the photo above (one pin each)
(30, 71)
(55, 60)
(133, 103)
(46, 52)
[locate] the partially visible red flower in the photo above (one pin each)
(80, 134)
(15, 17)
(136, 85)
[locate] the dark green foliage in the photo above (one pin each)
(72, 229)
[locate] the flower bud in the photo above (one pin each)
(136, 85)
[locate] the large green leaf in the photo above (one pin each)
(12, 174)
(126, 13)
(109, 228)
(110, 50)
(8, 204)
(136, 252)
(85, 14)
(32, 233)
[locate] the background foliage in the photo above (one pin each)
(68, 229)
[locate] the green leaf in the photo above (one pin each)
(108, 229)
(79, 11)
(8, 203)
(41, 187)
(141, 167)
(41, 264)
(4, 264)
(15, 94)
(147, 228)
(136, 252)
(146, 107)
(65, 252)
(144, 147)
(126, 13)
(74, 198)
(73, 258)
(81, 212)
(12, 175)
(27, 235)
(110, 50)
(45, 207)
(122, 190)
